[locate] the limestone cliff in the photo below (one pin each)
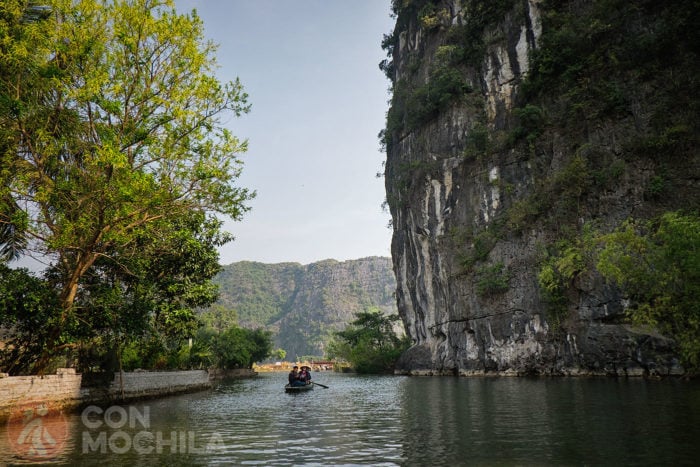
(304, 304)
(514, 125)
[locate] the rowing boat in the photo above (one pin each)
(295, 389)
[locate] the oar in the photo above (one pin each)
(319, 384)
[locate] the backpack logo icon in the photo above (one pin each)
(37, 433)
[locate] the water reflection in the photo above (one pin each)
(514, 421)
(399, 421)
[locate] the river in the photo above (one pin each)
(394, 420)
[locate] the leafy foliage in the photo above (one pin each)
(595, 57)
(27, 305)
(218, 318)
(147, 305)
(414, 106)
(110, 122)
(657, 263)
(240, 347)
(560, 196)
(563, 263)
(369, 343)
(492, 280)
(531, 121)
(234, 347)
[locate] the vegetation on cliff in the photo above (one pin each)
(603, 127)
(628, 66)
(656, 263)
(303, 305)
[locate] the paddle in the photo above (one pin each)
(319, 384)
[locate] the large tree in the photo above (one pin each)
(369, 342)
(111, 124)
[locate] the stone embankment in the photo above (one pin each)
(66, 388)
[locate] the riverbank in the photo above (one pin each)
(316, 366)
(67, 389)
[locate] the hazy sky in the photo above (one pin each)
(318, 101)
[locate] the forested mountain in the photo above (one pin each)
(304, 304)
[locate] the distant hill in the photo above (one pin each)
(304, 304)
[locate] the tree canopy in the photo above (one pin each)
(114, 156)
(369, 342)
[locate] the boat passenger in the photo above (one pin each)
(305, 375)
(294, 377)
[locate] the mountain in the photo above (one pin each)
(519, 130)
(304, 304)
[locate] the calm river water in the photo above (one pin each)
(362, 420)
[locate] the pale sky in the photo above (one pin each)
(318, 101)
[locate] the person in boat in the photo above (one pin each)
(305, 375)
(294, 377)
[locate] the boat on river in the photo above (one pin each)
(297, 389)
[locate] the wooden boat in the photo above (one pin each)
(296, 389)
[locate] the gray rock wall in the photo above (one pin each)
(443, 203)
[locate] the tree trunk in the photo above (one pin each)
(67, 300)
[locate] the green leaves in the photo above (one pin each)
(112, 134)
(492, 280)
(369, 343)
(657, 264)
(565, 261)
(27, 306)
(240, 348)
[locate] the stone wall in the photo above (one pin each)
(59, 390)
(216, 375)
(143, 384)
(64, 389)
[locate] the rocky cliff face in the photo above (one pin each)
(486, 172)
(304, 304)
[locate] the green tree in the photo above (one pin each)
(369, 343)
(219, 317)
(657, 264)
(21, 29)
(155, 292)
(110, 116)
(141, 313)
(279, 354)
(240, 347)
(27, 304)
